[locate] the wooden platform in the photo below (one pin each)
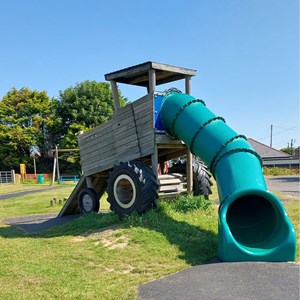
(139, 74)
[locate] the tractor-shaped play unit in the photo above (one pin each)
(123, 156)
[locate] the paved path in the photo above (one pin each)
(38, 223)
(227, 281)
(288, 185)
(20, 194)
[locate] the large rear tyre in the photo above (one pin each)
(88, 201)
(201, 177)
(132, 187)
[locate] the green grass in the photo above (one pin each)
(79, 261)
(103, 256)
(280, 171)
(38, 203)
(292, 207)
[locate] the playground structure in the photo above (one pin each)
(117, 157)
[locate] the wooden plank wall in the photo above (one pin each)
(129, 135)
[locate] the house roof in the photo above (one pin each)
(265, 151)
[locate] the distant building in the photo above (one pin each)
(274, 158)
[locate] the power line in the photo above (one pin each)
(278, 133)
(292, 128)
(284, 144)
(285, 130)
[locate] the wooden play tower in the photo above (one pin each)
(133, 134)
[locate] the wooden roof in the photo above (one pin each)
(138, 74)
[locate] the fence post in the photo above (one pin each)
(13, 176)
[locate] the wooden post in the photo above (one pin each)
(189, 162)
(13, 176)
(54, 170)
(57, 164)
(114, 90)
(152, 81)
(154, 162)
(188, 86)
(34, 167)
(89, 182)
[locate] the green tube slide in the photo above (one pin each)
(253, 224)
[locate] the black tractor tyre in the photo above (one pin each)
(132, 187)
(88, 201)
(201, 177)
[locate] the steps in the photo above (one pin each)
(171, 185)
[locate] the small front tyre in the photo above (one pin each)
(88, 201)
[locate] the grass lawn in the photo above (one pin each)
(80, 260)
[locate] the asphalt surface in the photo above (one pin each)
(238, 280)
(20, 194)
(288, 185)
(38, 223)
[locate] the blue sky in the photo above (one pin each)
(246, 52)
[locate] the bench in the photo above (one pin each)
(64, 178)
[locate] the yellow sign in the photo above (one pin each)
(22, 169)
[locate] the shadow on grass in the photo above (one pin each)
(196, 244)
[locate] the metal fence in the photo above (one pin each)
(7, 177)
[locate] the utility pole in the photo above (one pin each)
(271, 136)
(292, 146)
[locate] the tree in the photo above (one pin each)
(288, 150)
(80, 108)
(23, 119)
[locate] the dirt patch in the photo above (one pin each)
(112, 242)
(127, 269)
(121, 269)
(110, 237)
(77, 239)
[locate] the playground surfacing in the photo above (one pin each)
(38, 223)
(236, 280)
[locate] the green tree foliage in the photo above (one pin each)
(30, 118)
(80, 108)
(288, 150)
(23, 118)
